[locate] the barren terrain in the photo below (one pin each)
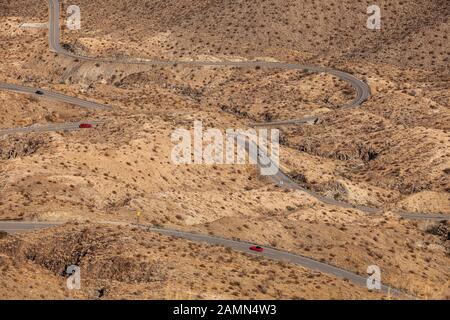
(393, 152)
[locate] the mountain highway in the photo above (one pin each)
(361, 88)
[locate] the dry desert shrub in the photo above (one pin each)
(14, 147)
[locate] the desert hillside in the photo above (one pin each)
(392, 152)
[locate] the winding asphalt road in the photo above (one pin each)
(54, 96)
(282, 179)
(362, 90)
(241, 246)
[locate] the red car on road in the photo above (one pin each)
(256, 248)
(85, 126)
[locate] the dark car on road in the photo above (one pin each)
(85, 126)
(39, 92)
